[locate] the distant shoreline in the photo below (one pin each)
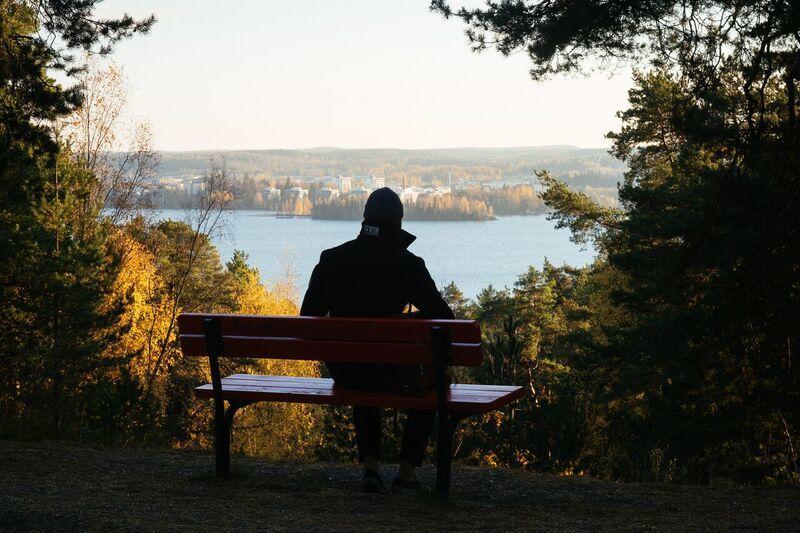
(415, 219)
(275, 214)
(412, 218)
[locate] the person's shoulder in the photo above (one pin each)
(336, 251)
(410, 258)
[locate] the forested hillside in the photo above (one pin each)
(578, 166)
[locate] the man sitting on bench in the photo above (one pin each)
(374, 276)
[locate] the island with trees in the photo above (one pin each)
(320, 200)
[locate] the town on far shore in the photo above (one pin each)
(343, 197)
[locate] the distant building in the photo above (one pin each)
(327, 193)
(298, 192)
(408, 195)
(345, 184)
(170, 184)
(415, 194)
(195, 186)
(377, 183)
(461, 185)
(271, 193)
(361, 190)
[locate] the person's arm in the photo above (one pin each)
(424, 294)
(314, 302)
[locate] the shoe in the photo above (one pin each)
(400, 485)
(373, 483)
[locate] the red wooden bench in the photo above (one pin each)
(377, 340)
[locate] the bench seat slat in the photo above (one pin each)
(462, 397)
(314, 388)
(290, 381)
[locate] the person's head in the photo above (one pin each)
(383, 218)
(383, 209)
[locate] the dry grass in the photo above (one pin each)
(55, 487)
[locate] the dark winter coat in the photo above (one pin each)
(373, 276)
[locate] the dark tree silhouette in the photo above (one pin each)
(693, 356)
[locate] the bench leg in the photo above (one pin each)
(444, 450)
(223, 428)
(440, 355)
(444, 454)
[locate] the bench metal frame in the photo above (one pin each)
(446, 422)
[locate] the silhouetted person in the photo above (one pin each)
(375, 275)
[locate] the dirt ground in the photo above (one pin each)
(57, 487)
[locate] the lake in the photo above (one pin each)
(473, 254)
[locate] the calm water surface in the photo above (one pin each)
(473, 254)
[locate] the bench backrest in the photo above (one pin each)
(376, 340)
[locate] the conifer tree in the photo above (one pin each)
(55, 272)
(697, 363)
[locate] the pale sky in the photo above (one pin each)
(255, 74)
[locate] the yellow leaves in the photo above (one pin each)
(147, 339)
(491, 459)
(145, 319)
(296, 206)
(277, 431)
(252, 298)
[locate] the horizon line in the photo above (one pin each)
(511, 147)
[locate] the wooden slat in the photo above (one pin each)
(388, 330)
(471, 391)
(255, 379)
(464, 398)
(462, 354)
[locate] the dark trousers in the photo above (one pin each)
(367, 420)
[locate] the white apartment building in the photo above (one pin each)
(195, 186)
(269, 193)
(462, 185)
(376, 182)
(298, 192)
(345, 184)
(408, 195)
(170, 184)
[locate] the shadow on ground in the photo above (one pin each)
(54, 487)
